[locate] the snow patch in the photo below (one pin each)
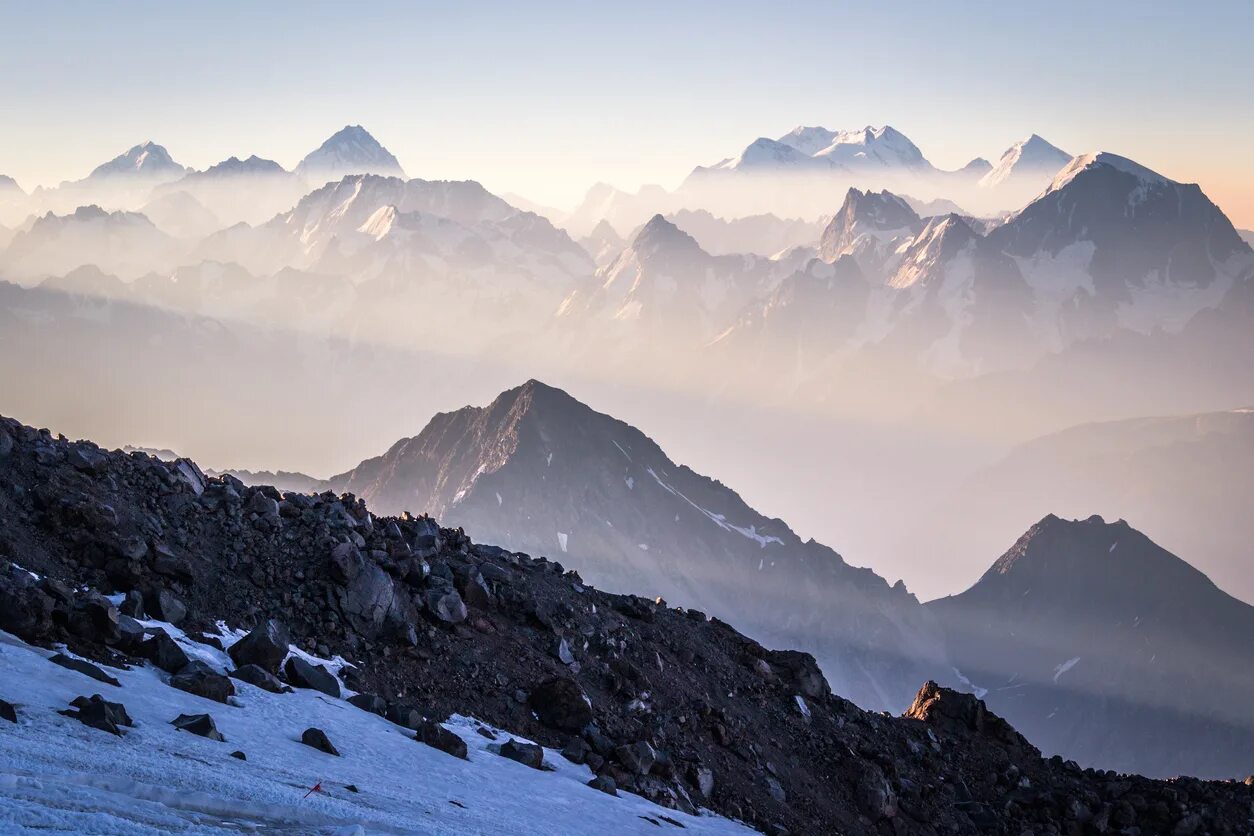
(1065, 666)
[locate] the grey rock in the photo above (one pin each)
(165, 606)
(446, 605)
(99, 713)
(318, 739)
(605, 784)
(199, 679)
(259, 677)
(301, 674)
(438, 737)
(637, 757)
(528, 754)
(164, 652)
(266, 646)
(199, 724)
(370, 702)
(83, 667)
(7, 711)
(559, 703)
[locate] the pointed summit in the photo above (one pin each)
(147, 160)
(1028, 160)
(661, 236)
(882, 217)
(351, 150)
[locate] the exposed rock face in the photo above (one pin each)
(681, 709)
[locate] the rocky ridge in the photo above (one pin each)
(666, 703)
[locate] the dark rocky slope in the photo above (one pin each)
(679, 708)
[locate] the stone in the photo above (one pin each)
(164, 652)
(83, 667)
(370, 702)
(301, 674)
(133, 605)
(605, 784)
(198, 724)
(446, 605)
(703, 777)
(263, 506)
(200, 679)
(99, 713)
(7, 711)
(317, 739)
(561, 650)
(528, 754)
(373, 606)
(637, 757)
(266, 646)
(405, 715)
(559, 703)
(576, 751)
(438, 737)
(239, 756)
(259, 677)
(165, 606)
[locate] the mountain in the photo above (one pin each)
(125, 244)
(665, 285)
(147, 161)
(180, 214)
(1100, 644)
(870, 227)
(1187, 477)
(603, 243)
(145, 583)
(351, 150)
(870, 148)
(1025, 168)
(543, 473)
(757, 234)
(251, 190)
(622, 210)
(1247, 235)
(9, 189)
(1111, 244)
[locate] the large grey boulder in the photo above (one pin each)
(265, 646)
(301, 674)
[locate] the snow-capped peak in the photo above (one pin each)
(1028, 157)
(145, 159)
(252, 165)
(885, 146)
(1096, 159)
(808, 140)
(351, 150)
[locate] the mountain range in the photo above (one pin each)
(545, 474)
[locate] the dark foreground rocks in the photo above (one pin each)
(198, 724)
(317, 739)
(672, 705)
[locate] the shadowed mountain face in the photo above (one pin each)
(545, 474)
(1099, 644)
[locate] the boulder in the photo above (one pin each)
(7, 711)
(559, 703)
(200, 679)
(266, 646)
(133, 604)
(83, 667)
(259, 677)
(576, 751)
(637, 757)
(164, 605)
(164, 652)
(446, 605)
(301, 674)
(370, 702)
(199, 724)
(528, 754)
(605, 784)
(962, 714)
(239, 756)
(405, 715)
(372, 604)
(438, 737)
(99, 713)
(317, 739)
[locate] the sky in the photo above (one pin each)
(544, 99)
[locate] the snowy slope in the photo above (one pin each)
(59, 776)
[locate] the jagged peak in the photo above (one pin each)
(1105, 160)
(659, 234)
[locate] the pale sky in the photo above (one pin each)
(546, 98)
